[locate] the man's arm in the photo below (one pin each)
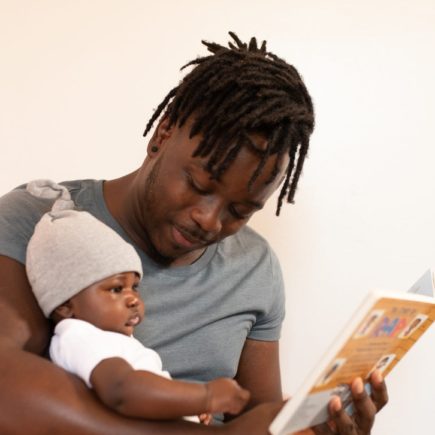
(259, 371)
(37, 397)
(366, 407)
(138, 393)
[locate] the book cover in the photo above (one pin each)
(381, 331)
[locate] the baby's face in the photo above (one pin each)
(113, 304)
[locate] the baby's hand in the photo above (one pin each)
(226, 395)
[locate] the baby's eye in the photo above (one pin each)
(135, 287)
(116, 289)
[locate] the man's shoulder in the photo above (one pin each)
(19, 200)
(247, 240)
(82, 185)
(249, 250)
(20, 211)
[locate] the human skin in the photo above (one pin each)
(55, 401)
(114, 304)
(172, 209)
(39, 398)
(203, 210)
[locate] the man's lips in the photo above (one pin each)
(185, 239)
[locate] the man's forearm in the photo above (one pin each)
(36, 397)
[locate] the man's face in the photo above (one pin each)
(182, 208)
(112, 304)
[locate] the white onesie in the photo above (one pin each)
(78, 347)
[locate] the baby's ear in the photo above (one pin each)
(63, 311)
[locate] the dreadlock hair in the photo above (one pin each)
(235, 92)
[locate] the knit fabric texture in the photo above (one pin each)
(71, 250)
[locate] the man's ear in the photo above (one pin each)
(161, 134)
(64, 311)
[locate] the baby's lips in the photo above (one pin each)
(133, 321)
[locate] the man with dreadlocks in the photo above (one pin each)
(235, 128)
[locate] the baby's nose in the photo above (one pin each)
(132, 301)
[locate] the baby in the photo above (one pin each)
(85, 277)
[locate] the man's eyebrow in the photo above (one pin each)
(255, 204)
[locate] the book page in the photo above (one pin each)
(425, 284)
(389, 328)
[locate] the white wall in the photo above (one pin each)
(79, 79)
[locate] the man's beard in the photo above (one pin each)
(150, 200)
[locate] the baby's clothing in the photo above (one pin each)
(78, 347)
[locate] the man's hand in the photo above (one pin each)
(365, 409)
(226, 395)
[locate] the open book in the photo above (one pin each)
(381, 331)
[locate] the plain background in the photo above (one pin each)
(79, 79)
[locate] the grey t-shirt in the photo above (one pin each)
(197, 317)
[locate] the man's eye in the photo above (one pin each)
(195, 186)
(116, 289)
(239, 215)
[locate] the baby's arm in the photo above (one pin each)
(138, 393)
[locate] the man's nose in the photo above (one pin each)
(208, 217)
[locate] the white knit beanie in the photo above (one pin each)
(71, 250)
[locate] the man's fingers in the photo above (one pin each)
(325, 429)
(345, 425)
(379, 390)
(365, 408)
(305, 432)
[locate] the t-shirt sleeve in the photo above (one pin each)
(268, 323)
(78, 347)
(19, 213)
